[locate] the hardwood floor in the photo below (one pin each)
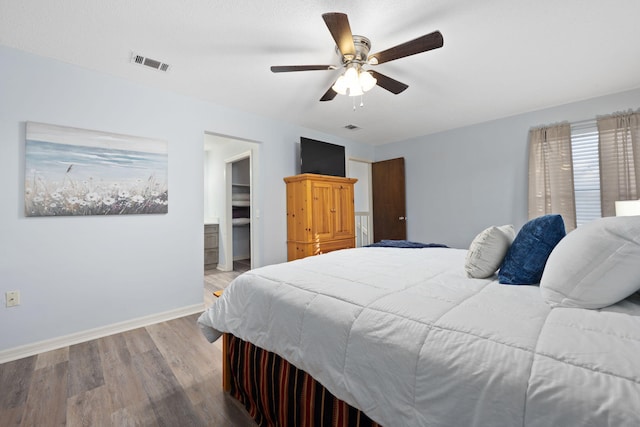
(165, 374)
(215, 280)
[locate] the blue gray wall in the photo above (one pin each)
(80, 273)
(464, 180)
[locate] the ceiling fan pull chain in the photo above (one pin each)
(361, 101)
(353, 101)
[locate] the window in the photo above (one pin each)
(586, 171)
(580, 170)
(551, 189)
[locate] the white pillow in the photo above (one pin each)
(487, 251)
(596, 265)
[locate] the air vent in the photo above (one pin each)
(351, 127)
(148, 62)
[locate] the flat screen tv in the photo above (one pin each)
(321, 157)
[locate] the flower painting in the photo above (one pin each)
(72, 171)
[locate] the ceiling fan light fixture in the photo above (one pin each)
(340, 86)
(351, 76)
(354, 81)
(356, 90)
(367, 81)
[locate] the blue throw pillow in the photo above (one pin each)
(527, 256)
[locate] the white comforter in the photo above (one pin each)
(403, 335)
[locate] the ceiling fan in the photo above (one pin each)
(354, 54)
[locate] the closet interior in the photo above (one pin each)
(241, 209)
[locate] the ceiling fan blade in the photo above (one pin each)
(338, 25)
(329, 95)
(287, 68)
(421, 44)
(388, 83)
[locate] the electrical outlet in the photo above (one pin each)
(13, 298)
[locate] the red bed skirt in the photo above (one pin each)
(277, 393)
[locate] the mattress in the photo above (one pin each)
(406, 337)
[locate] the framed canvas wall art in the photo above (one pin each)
(70, 171)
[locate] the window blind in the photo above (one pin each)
(586, 171)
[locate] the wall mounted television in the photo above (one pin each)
(321, 157)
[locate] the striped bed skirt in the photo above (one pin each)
(276, 393)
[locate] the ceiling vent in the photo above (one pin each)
(351, 127)
(148, 62)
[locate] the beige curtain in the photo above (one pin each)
(551, 173)
(619, 145)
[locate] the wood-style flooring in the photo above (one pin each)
(165, 374)
(215, 279)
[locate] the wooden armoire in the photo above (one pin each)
(320, 214)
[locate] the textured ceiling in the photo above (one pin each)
(500, 57)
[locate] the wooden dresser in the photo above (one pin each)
(320, 214)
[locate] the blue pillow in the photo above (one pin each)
(527, 256)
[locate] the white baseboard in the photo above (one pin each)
(91, 334)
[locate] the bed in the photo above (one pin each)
(408, 339)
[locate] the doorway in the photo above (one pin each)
(361, 170)
(379, 200)
(389, 200)
(220, 154)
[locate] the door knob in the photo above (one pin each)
(401, 218)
